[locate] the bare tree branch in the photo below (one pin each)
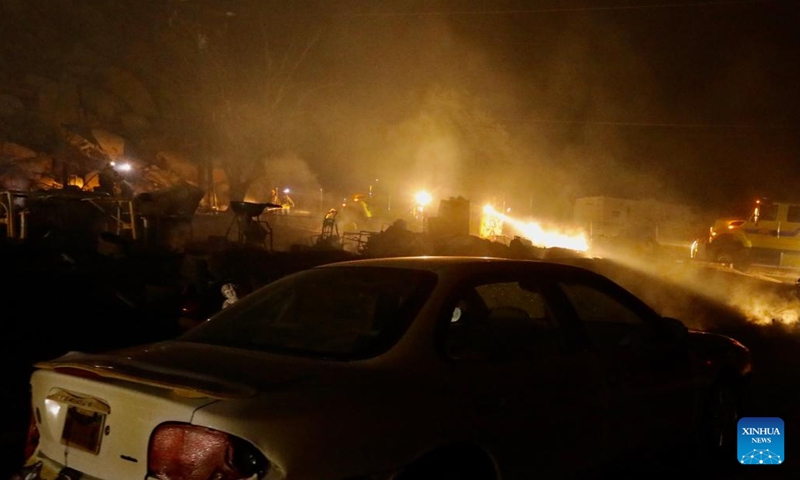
(280, 94)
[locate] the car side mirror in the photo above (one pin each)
(674, 329)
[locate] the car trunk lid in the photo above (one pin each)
(102, 426)
(96, 412)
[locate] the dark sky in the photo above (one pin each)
(544, 101)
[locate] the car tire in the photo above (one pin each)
(734, 255)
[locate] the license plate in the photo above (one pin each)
(83, 429)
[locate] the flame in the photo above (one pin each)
(539, 236)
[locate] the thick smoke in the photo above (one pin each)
(706, 296)
(453, 105)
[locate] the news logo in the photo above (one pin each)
(760, 441)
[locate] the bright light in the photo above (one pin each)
(125, 167)
(285, 190)
(541, 237)
(491, 224)
(423, 198)
(52, 407)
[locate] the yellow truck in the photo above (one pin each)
(770, 235)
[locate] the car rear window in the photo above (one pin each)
(342, 312)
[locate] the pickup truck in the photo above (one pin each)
(770, 235)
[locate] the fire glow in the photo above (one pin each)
(541, 237)
(768, 311)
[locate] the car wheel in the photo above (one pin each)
(733, 255)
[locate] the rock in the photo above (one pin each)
(130, 90)
(15, 151)
(112, 144)
(134, 122)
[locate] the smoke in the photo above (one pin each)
(541, 107)
(705, 296)
(287, 172)
(458, 107)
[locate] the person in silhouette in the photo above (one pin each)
(110, 180)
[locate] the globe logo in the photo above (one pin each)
(760, 457)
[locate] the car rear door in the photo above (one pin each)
(536, 396)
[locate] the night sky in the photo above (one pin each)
(533, 102)
(693, 102)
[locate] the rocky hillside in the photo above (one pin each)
(85, 82)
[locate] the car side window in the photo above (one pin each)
(768, 213)
(502, 321)
(608, 321)
(794, 214)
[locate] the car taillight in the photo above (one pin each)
(32, 440)
(180, 451)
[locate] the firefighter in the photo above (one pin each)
(110, 180)
(286, 201)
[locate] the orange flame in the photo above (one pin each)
(541, 237)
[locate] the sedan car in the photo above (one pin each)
(395, 368)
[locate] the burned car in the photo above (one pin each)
(395, 368)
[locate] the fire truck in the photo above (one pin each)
(769, 235)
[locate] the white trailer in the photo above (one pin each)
(644, 225)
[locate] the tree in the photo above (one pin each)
(233, 83)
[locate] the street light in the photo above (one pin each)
(122, 167)
(421, 200)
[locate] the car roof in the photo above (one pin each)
(443, 263)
